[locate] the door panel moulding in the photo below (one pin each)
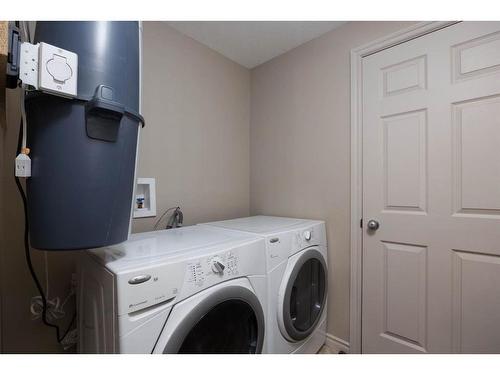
(357, 55)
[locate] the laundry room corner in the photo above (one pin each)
(196, 143)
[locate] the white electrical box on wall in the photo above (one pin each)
(145, 198)
(28, 70)
(58, 70)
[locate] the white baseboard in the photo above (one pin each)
(336, 344)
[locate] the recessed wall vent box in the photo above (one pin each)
(145, 198)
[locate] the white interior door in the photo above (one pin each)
(431, 179)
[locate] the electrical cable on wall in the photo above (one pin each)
(41, 306)
(23, 161)
(28, 256)
(55, 309)
(27, 37)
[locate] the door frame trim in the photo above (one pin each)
(357, 55)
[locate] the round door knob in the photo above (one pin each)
(373, 224)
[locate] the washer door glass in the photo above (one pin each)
(305, 295)
(229, 327)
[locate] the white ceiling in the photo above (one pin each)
(252, 43)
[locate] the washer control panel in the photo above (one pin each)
(216, 266)
(172, 279)
(195, 273)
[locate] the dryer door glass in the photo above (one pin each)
(229, 327)
(305, 295)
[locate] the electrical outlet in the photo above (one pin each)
(23, 166)
(28, 71)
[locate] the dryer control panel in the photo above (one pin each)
(305, 238)
(280, 246)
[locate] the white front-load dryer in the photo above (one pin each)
(297, 272)
(189, 290)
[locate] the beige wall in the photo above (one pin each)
(300, 144)
(196, 140)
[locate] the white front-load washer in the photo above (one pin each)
(297, 271)
(189, 290)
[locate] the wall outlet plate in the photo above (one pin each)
(28, 70)
(58, 70)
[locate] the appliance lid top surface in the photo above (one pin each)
(148, 248)
(264, 225)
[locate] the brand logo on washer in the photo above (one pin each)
(139, 279)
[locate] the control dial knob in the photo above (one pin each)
(217, 265)
(307, 235)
